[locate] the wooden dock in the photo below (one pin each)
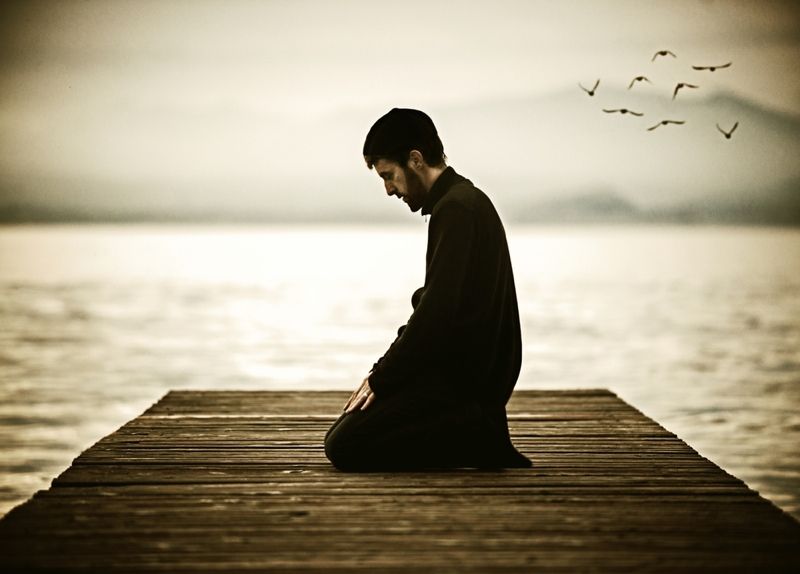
(238, 482)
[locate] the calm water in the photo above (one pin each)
(699, 327)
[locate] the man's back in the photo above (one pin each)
(465, 328)
(486, 340)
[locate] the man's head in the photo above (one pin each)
(404, 148)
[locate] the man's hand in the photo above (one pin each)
(361, 397)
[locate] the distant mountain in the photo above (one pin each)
(563, 144)
(550, 158)
(779, 205)
(594, 207)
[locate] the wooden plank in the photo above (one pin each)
(237, 482)
(329, 402)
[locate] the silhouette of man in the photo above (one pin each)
(436, 399)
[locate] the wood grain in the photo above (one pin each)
(238, 482)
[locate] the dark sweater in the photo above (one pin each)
(464, 333)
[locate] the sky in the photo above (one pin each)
(183, 102)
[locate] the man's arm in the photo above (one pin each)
(420, 344)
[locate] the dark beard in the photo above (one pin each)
(415, 197)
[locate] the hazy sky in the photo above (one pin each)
(168, 91)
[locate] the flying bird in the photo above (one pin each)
(682, 85)
(662, 53)
(712, 68)
(590, 92)
(665, 122)
(729, 133)
(639, 79)
(622, 111)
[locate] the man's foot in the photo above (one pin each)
(515, 459)
(505, 456)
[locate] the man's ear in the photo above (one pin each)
(415, 159)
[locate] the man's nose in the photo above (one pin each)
(389, 189)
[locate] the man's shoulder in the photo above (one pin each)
(463, 194)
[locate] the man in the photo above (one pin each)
(436, 399)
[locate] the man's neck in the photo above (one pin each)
(430, 175)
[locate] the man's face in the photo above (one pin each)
(403, 182)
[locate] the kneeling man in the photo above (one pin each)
(436, 399)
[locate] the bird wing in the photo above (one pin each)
(676, 121)
(635, 113)
(654, 127)
(736, 125)
(721, 130)
(633, 81)
(700, 67)
(671, 54)
(584, 89)
(725, 65)
(646, 79)
(610, 111)
(691, 86)
(675, 93)
(597, 83)
(654, 57)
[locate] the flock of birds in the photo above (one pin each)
(678, 87)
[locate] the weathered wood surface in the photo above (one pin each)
(238, 482)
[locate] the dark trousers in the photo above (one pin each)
(420, 428)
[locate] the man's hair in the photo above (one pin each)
(398, 132)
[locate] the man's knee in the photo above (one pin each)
(341, 448)
(333, 448)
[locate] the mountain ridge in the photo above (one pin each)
(556, 156)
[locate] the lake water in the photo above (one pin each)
(698, 327)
